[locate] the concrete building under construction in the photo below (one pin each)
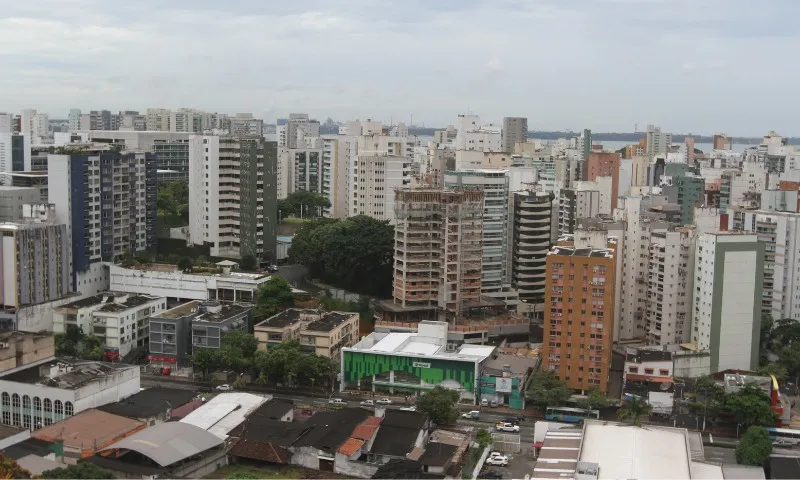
(437, 261)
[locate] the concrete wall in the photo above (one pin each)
(348, 466)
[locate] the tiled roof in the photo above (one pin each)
(364, 432)
(373, 421)
(351, 446)
(263, 451)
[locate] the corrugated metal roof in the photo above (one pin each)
(225, 412)
(167, 443)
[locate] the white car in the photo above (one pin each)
(472, 415)
(367, 403)
(499, 460)
(383, 401)
(507, 427)
(337, 402)
(224, 388)
(409, 409)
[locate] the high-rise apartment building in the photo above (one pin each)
(515, 130)
(533, 230)
(729, 276)
(494, 184)
(108, 200)
(233, 195)
(579, 313)
(12, 200)
(292, 131)
(603, 164)
(780, 234)
(576, 204)
(15, 155)
(740, 187)
(437, 259)
(243, 124)
(670, 280)
(720, 141)
(658, 142)
(74, 120)
(34, 264)
(157, 120)
(34, 125)
(685, 189)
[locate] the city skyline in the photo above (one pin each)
(623, 63)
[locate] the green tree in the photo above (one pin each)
(206, 359)
(248, 262)
(633, 410)
(440, 404)
(773, 368)
(91, 348)
(789, 359)
(594, 400)
(483, 438)
(355, 253)
(81, 470)
(303, 204)
(546, 390)
(750, 406)
(185, 264)
(246, 344)
(754, 447)
(272, 297)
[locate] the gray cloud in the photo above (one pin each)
(603, 64)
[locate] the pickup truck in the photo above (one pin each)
(507, 427)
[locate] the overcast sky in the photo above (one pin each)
(697, 66)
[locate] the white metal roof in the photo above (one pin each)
(391, 342)
(421, 348)
(476, 350)
(225, 412)
(626, 451)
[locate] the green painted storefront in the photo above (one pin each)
(360, 365)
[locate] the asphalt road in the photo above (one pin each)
(296, 275)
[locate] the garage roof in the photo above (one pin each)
(167, 443)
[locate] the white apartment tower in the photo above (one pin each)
(575, 205)
(670, 280)
(780, 234)
(658, 142)
(233, 195)
(729, 271)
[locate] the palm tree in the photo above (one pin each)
(633, 410)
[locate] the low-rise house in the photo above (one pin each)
(175, 333)
(119, 320)
(317, 448)
(87, 433)
(156, 405)
(322, 333)
(399, 434)
(226, 411)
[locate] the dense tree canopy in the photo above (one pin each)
(754, 447)
(74, 343)
(594, 400)
(633, 410)
(355, 254)
(173, 202)
(440, 404)
(272, 297)
(303, 204)
(546, 389)
(10, 469)
(750, 406)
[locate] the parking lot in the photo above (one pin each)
(519, 465)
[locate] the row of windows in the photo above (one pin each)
(46, 405)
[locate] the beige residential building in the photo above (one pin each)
(322, 333)
(19, 350)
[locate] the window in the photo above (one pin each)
(26, 402)
(69, 410)
(48, 405)
(6, 418)
(6, 399)
(59, 407)
(663, 372)
(633, 369)
(37, 404)
(15, 401)
(648, 371)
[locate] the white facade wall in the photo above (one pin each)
(602, 185)
(735, 289)
(670, 285)
(177, 284)
(6, 123)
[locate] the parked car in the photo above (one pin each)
(493, 404)
(367, 403)
(383, 401)
(498, 460)
(224, 388)
(484, 402)
(490, 475)
(472, 415)
(507, 427)
(412, 408)
(272, 268)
